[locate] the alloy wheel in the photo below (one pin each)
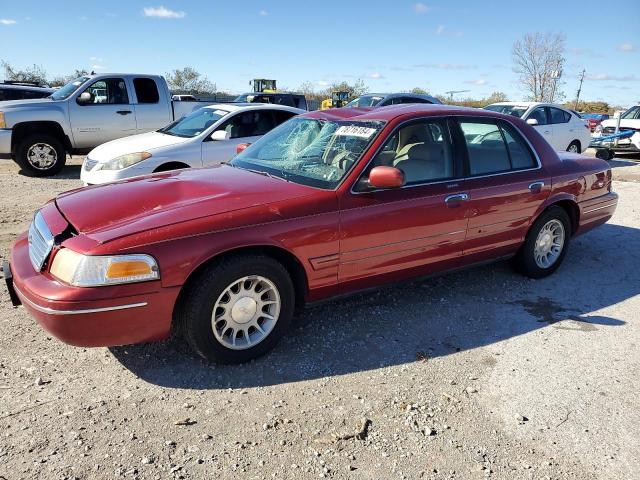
(246, 312)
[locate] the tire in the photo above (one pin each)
(212, 287)
(525, 260)
(574, 147)
(605, 154)
(41, 155)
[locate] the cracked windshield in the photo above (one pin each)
(312, 152)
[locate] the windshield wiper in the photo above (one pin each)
(266, 174)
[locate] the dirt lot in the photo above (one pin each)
(479, 374)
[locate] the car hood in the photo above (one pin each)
(612, 122)
(8, 105)
(144, 142)
(110, 211)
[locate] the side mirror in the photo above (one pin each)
(532, 121)
(386, 177)
(84, 98)
(242, 147)
(220, 135)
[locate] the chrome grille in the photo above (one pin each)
(89, 164)
(40, 242)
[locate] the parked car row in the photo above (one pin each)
(562, 128)
(326, 203)
(83, 114)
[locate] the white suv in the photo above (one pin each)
(562, 128)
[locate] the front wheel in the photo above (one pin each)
(574, 147)
(237, 309)
(546, 244)
(41, 155)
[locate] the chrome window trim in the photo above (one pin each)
(454, 179)
(53, 311)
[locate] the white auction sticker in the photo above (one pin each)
(353, 131)
(221, 112)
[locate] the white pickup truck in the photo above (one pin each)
(93, 109)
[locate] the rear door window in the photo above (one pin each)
(146, 90)
(495, 147)
(559, 116)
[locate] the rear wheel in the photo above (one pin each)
(41, 155)
(546, 244)
(238, 309)
(574, 147)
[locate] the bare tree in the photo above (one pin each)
(538, 58)
(188, 80)
(62, 80)
(34, 73)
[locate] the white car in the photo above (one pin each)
(562, 128)
(629, 120)
(207, 136)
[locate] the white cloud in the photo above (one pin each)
(375, 75)
(7, 21)
(162, 12)
(440, 30)
(263, 13)
(445, 66)
(587, 52)
(609, 78)
(97, 67)
(96, 59)
(420, 8)
(627, 47)
(478, 82)
(323, 83)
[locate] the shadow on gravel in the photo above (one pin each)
(68, 172)
(427, 319)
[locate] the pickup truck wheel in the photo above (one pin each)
(41, 155)
(546, 244)
(238, 309)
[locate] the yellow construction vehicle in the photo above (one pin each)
(263, 85)
(338, 99)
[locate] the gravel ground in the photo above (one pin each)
(478, 374)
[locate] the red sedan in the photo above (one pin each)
(327, 204)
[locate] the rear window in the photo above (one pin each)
(146, 90)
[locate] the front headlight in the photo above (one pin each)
(93, 271)
(598, 128)
(124, 161)
(3, 124)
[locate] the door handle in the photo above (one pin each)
(453, 201)
(536, 187)
(124, 112)
(547, 132)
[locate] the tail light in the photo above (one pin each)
(242, 147)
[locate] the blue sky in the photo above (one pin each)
(392, 45)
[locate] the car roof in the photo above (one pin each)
(392, 112)
(33, 88)
(236, 106)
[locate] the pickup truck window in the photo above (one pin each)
(195, 123)
(146, 90)
(112, 91)
(64, 92)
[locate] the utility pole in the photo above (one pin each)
(575, 107)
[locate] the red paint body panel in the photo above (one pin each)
(344, 241)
